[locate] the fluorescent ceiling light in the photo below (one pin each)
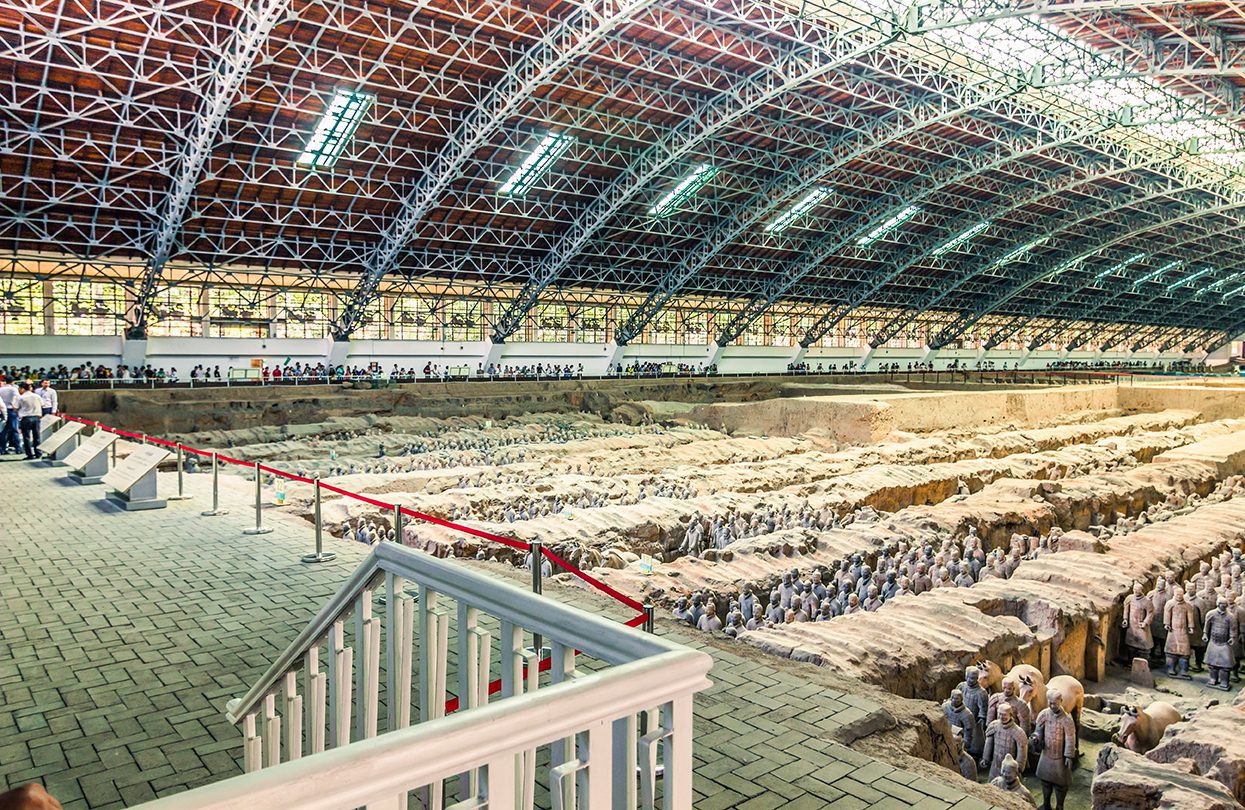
(1221, 282)
(1119, 266)
(888, 226)
(1233, 292)
(1020, 251)
(956, 241)
(687, 187)
(336, 128)
(1189, 279)
(802, 206)
(537, 163)
(1153, 274)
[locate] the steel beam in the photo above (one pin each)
(241, 53)
(570, 40)
(803, 64)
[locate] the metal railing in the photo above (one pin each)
(965, 376)
(627, 712)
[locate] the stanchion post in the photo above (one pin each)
(648, 618)
(260, 528)
(397, 524)
(181, 465)
(215, 510)
(538, 560)
(320, 555)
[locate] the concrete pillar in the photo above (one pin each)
(494, 354)
(864, 361)
(339, 350)
(134, 353)
(716, 351)
(614, 353)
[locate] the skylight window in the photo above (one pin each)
(1189, 279)
(954, 242)
(802, 206)
(537, 163)
(685, 190)
(1120, 266)
(341, 119)
(888, 226)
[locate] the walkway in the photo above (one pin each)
(122, 635)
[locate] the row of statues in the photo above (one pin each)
(1204, 621)
(857, 584)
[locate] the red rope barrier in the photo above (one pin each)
(495, 538)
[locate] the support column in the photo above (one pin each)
(614, 354)
(339, 350)
(134, 353)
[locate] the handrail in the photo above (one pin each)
(593, 635)
(380, 770)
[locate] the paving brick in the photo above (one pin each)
(114, 674)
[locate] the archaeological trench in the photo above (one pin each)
(1132, 480)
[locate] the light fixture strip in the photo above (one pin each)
(888, 226)
(1020, 251)
(1232, 292)
(801, 207)
(1189, 279)
(550, 148)
(688, 186)
(1120, 266)
(1153, 274)
(336, 128)
(1221, 282)
(956, 241)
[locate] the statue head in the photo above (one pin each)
(1009, 687)
(971, 676)
(1222, 604)
(1138, 590)
(1009, 770)
(1055, 700)
(1178, 594)
(1006, 715)
(957, 698)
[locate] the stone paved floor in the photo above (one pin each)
(122, 635)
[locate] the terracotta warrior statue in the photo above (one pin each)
(1055, 740)
(1004, 740)
(1179, 620)
(1138, 614)
(1011, 696)
(962, 718)
(1009, 780)
(1220, 635)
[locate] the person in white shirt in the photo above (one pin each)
(9, 436)
(47, 393)
(29, 412)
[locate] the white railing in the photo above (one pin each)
(600, 717)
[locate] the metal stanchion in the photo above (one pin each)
(538, 559)
(397, 524)
(260, 528)
(181, 493)
(648, 618)
(215, 510)
(320, 554)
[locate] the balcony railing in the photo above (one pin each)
(357, 711)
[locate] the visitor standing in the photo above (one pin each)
(9, 437)
(29, 412)
(51, 402)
